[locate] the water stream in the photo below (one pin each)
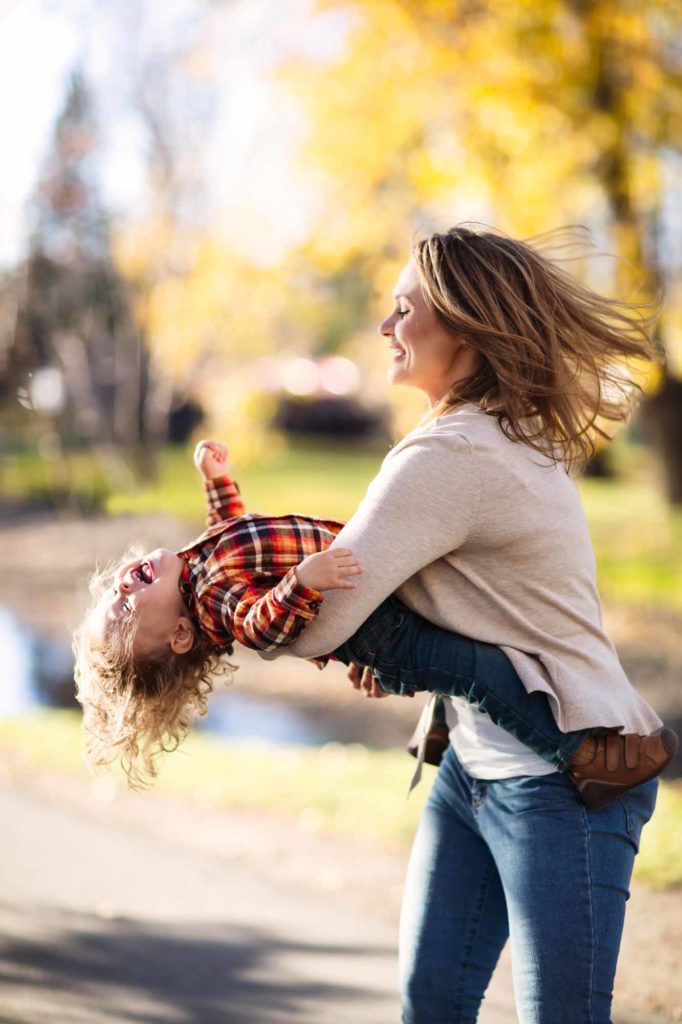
(38, 672)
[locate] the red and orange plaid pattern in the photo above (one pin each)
(238, 579)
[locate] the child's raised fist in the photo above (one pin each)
(210, 458)
(329, 570)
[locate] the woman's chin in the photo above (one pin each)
(398, 374)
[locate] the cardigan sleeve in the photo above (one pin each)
(422, 505)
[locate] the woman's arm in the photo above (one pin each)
(421, 506)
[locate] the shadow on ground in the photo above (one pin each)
(73, 967)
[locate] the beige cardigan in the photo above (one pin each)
(487, 538)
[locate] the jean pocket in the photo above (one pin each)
(639, 804)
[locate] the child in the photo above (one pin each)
(150, 643)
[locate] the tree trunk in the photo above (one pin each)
(662, 412)
(662, 426)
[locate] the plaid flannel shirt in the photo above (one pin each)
(238, 579)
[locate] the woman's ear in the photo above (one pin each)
(183, 636)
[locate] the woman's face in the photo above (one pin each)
(425, 354)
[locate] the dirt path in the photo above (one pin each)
(116, 906)
(102, 923)
(108, 914)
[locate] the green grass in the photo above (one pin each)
(660, 860)
(75, 479)
(637, 540)
(327, 480)
(344, 790)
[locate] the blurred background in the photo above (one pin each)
(203, 208)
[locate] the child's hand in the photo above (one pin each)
(329, 570)
(210, 458)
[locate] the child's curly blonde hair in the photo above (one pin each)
(134, 708)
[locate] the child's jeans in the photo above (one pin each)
(524, 859)
(407, 653)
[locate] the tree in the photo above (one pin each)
(74, 310)
(530, 114)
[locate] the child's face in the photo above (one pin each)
(147, 588)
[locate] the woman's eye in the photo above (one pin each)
(402, 312)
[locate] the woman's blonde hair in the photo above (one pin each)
(134, 708)
(557, 358)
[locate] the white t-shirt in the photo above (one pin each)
(484, 750)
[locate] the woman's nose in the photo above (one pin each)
(386, 327)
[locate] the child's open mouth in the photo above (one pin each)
(144, 573)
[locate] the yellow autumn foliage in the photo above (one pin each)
(525, 115)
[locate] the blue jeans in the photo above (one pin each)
(407, 653)
(519, 858)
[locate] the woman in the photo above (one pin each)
(476, 515)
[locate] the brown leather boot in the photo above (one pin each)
(620, 762)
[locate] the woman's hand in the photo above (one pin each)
(328, 570)
(362, 679)
(210, 458)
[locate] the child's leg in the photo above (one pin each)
(408, 653)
